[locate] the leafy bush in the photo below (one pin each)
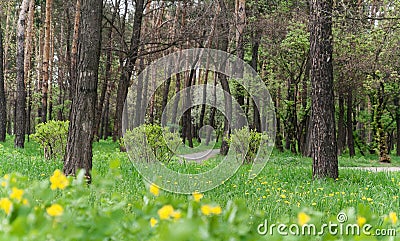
(240, 138)
(160, 141)
(52, 137)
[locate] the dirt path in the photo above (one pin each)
(201, 156)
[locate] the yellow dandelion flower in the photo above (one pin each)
(369, 199)
(283, 196)
(58, 180)
(16, 194)
(154, 189)
(364, 198)
(3, 184)
(206, 209)
(165, 212)
(197, 196)
(6, 205)
(25, 201)
(7, 176)
(313, 204)
(361, 221)
(217, 210)
(55, 210)
(331, 194)
(153, 222)
(176, 215)
(393, 217)
(303, 218)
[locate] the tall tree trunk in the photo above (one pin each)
(224, 41)
(278, 139)
(3, 109)
(325, 160)
(350, 137)
(203, 107)
(21, 94)
(165, 97)
(177, 98)
(74, 49)
(397, 104)
(213, 110)
(28, 63)
(240, 12)
(254, 64)
(10, 103)
(50, 95)
(291, 119)
(108, 70)
(46, 59)
(341, 138)
(381, 135)
(124, 81)
(80, 136)
(139, 94)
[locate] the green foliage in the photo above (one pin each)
(118, 206)
(161, 142)
(52, 137)
(241, 137)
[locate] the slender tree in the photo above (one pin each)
(3, 113)
(128, 68)
(74, 48)
(325, 161)
(83, 110)
(28, 63)
(46, 59)
(224, 42)
(397, 105)
(20, 113)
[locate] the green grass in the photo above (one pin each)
(283, 188)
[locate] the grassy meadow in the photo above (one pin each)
(118, 205)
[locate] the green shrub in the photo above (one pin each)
(240, 138)
(52, 137)
(160, 141)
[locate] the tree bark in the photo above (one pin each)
(108, 70)
(28, 63)
(46, 59)
(74, 49)
(20, 112)
(325, 161)
(3, 109)
(291, 118)
(139, 94)
(177, 98)
(341, 138)
(254, 64)
(83, 109)
(349, 116)
(124, 81)
(381, 135)
(224, 41)
(397, 104)
(240, 12)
